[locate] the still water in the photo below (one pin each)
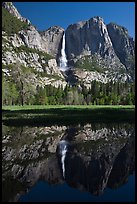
(91, 162)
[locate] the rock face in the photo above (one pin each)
(11, 8)
(15, 53)
(88, 37)
(48, 41)
(34, 50)
(107, 47)
(110, 44)
(124, 46)
(52, 38)
(32, 38)
(101, 157)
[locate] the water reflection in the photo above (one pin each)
(63, 148)
(90, 157)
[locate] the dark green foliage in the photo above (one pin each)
(41, 96)
(11, 24)
(10, 188)
(19, 90)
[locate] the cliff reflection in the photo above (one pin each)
(98, 156)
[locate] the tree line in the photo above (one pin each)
(24, 93)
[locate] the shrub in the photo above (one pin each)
(11, 24)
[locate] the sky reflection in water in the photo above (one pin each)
(99, 163)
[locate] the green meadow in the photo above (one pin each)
(66, 114)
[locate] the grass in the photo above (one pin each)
(66, 114)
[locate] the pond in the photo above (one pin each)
(89, 162)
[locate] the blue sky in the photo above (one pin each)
(46, 14)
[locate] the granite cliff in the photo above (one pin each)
(101, 49)
(32, 49)
(95, 51)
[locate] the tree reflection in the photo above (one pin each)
(97, 157)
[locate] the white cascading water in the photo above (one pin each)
(63, 160)
(63, 58)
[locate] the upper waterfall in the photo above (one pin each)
(63, 58)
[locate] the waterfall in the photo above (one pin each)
(63, 58)
(63, 160)
(62, 149)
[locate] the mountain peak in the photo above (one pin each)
(97, 18)
(12, 9)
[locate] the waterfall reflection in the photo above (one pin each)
(91, 158)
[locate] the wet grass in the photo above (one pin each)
(65, 115)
